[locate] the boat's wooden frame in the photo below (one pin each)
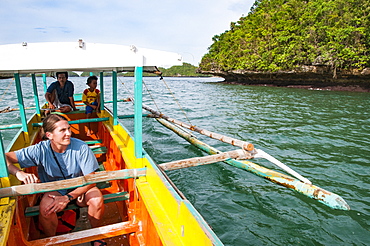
(155, 213)
(151, 209)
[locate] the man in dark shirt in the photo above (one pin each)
(59, 94)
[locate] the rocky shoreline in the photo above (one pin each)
(355, 88)
(309, 77)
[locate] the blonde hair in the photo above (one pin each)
(48, 124)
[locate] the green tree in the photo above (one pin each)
(286, 34)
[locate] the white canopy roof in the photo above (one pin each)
(80, 56)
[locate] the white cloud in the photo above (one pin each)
(186, 27)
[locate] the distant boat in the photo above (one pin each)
(147, 207)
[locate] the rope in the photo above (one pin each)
(2, 97)
(127, 89)
(151, 96)
(177, 101)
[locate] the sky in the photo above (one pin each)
(184, 27)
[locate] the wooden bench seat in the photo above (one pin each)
(114, 197)
(98, 149)
(89, 142)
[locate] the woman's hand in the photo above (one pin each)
(27, 178)
(59, 203)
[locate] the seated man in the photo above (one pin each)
(59, 94)
(57, 158)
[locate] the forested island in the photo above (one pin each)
(312, 43)
(185, 70)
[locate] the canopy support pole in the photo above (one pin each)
(114, 82)
(138, 118)
(21, 107)
(3, 166)
(44, 82)
(36, 95)
(101, 91)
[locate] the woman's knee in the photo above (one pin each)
(96, 202)
(44, 203)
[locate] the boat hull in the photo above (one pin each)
(154, 214)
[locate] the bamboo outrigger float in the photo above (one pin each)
(144, 206)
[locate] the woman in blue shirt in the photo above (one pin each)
(57, 158)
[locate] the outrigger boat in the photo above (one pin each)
(143, 206)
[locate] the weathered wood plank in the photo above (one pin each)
(29, 189)
(197, 161)
(88, 235)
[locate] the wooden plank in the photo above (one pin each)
(88, 235)
(196, 161)
(35, 188)
(6, 218)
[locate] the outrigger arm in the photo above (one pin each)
(35, 188)
(255, 153)
(312, 191)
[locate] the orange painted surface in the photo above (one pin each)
(24, 230)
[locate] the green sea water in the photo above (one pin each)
(323, 135)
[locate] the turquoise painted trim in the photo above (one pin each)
(93, 141)
(77, 96)
(211, 234)
(138, 119)
(13, 126)
(35, 94)
(130, 116)
(115, 109)
(101, 91)
(3, 167)
(115, 197)
(80, 121)
(119, 100)
(20, 102)
(44, 82)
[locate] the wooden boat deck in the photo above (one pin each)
(116, 212)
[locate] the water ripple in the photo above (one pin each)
(321, 134)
